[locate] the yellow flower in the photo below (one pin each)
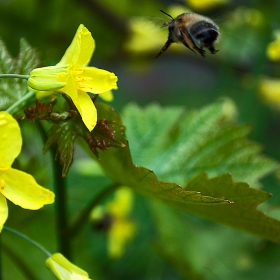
(273, 49)
(15, 185)
(72, 77)
(205, 5)
(107, 96)
(270, 91)
(121, 230)
(65, 270)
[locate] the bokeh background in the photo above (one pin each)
(128, 36)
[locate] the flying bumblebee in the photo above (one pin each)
(193, 31)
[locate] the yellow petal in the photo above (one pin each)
(96, 80)
(270, 89)
(273, 50)
(119, 235)
(3, 211)
(107, 95)
(80, 50)
(70, 88)
(22, 189)
(86, 109)
(63, 269)
(10, 140)
(122, 203)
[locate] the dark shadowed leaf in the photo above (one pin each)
(12, 89)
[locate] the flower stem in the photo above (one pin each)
(39, 246)
(61, 215)
(21, 100)
(61, 208)
(19, 76)
(82, 218)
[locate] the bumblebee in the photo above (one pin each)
(193, 31)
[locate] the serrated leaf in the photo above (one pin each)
(12, 89)
(62, 134)
(193, 138)
(40, 111)
(243, 213)
(178, 144)
(106, 133)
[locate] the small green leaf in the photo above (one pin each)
(12, 89)
(107, 132)
(40, 110)
(62, 134)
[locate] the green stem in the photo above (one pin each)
(62, 230)
(25, 77)
(61, 208)
(21, 100)
(83, 217)
(39, 246)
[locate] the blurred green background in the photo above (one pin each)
(177, 77)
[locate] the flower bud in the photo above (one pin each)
(47, 78)
(63, 269)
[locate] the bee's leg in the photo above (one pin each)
(186, 40)
(195, 49)
(165, 47)
(199, 51)
(212, 49)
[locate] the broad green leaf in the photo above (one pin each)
(190, 144)
(216, 252)
(178, 144)
(119, 166)
(12, 89)
(241, 214)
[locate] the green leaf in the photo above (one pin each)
(241, 214)
(176, 144)
(63, 133)
(12, 89)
